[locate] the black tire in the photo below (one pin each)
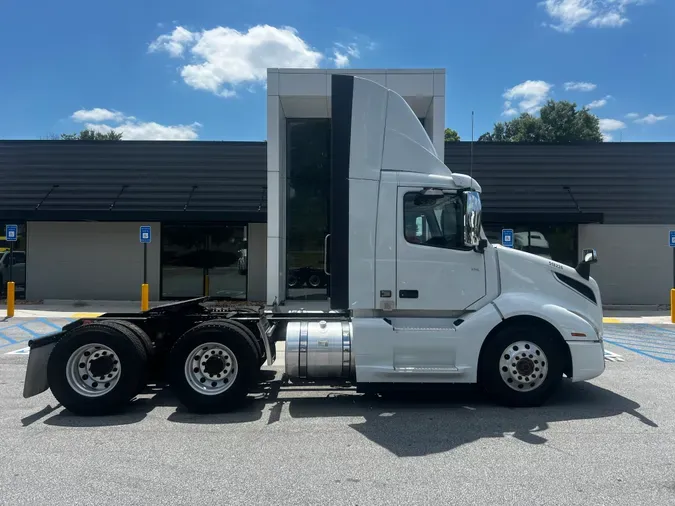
(235, 339)
(315, 279)
(140, 334)
(490, 374)
(259, 346)
(132, 359)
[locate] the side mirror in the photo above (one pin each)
(472, 219)
(588, 257)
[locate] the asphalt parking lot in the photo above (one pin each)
(607, 441)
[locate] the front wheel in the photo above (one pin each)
(522, 366)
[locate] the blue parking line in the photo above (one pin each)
(647, 348)
(47, 322)
(30, 331)
(644, 339)
(640, 352)
(33, 334)
(6, 338)
(664, 331)
(658, 347)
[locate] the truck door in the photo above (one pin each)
(434, 271)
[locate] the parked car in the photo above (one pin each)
(18, 269)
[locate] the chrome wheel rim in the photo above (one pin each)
(314, 281)
(211, 369)
(93, 370)
(523, 366)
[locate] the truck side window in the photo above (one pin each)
(433, 222)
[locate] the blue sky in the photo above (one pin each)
(195, 70)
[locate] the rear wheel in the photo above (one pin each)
(212, 367)
(522, 365)
(97, 368)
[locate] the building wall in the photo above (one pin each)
(89, 260)
(635, 263)
(257, 262)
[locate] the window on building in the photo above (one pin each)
(433, 221)
(557, 242)
(204, 259)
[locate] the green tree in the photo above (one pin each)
(451, 135)
(92, 135)
(558, 122)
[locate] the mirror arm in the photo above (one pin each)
(584, 270)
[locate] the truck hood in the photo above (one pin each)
(559, 284)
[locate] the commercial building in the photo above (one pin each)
(249, 220)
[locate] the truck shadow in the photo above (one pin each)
(409, 424)
(421, 425)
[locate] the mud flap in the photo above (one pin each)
(36, 372)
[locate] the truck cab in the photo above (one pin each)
(431, 301)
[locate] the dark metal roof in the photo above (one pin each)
(133, 180)
(154, 180)
(630, 182)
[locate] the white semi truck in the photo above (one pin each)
(418, 296)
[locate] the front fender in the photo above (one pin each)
(571, 325)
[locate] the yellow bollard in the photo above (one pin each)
(206, 285)
(145, 297)
(10, 299)
(672, 305)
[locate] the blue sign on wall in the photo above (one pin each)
(12, 233)
(507, 237)
(672, 238)
(146, 234)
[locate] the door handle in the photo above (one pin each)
(408, 294)
(325, 255)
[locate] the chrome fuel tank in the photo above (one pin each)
(319, 350)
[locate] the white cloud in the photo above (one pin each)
(224, 59)
(569, 14)
(596, 104)
(608, 125)
(608, 20)
(530, 95)
(149, 131)
(97, 114)
(650, 119)
(133, 129)
(343, 53)
(632, 115)
(173, 43)
(341, 59)
(579, 86)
